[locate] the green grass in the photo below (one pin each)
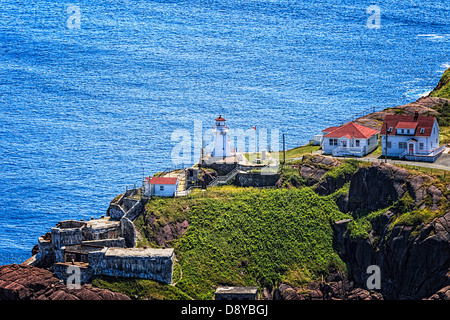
(291, 154)
(140, 289)
(444, 135)
(444, 91)
(348, 167)
(299, 152)
(249, 236)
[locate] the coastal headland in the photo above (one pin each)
(309, 231)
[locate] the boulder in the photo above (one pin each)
(24, 282)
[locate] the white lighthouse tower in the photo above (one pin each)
(221, 144)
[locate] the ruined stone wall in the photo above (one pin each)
(100, 233)
(65, 237)
(136, 209)
(222, 168)
(115, 211)
(154, 264)
(128, 232)
(65, 270)
(256, 179)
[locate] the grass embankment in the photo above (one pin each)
(443, 88)
(443, 91)
(245, 237)
(406, 211)
(444, 123)
(291, 154)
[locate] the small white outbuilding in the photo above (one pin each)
(160, 186)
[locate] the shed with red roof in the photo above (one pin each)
(160, 186)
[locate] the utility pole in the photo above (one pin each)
(284, 151)
(385, 146)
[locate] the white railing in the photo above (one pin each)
(402, 155)
(224, 179)
(183, 193)
(421, 153)
(357, 151)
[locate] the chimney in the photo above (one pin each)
(416, 115)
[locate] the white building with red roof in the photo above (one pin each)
(412, 137)
(160, 186)
(349, 139)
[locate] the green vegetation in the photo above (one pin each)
(298, 152)
(444, 122)
(140, 289)
(443, 89)
(348, 167)
(249, 236)
(291, 154)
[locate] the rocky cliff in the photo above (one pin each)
(408, 219)
(23, 282)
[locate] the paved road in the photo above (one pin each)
(442, 163)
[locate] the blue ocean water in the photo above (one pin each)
(86, 112)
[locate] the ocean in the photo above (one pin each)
(91, 92)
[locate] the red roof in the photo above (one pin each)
(220, 118)
(400, 121)
(406, 125)
(330, 129)
(162, 180)
(352, 130)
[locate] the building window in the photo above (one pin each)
(407, 131)
(357, 142)
(390, 129)
(389, 144)
(402, 145)
(403, 130)
(333, 142)
(161, 188)
(421, 146)
(422, 130)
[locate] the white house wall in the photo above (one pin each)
(430, 143)
(327, 148)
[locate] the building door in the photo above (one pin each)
(411, 148)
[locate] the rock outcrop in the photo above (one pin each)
(160, 231)
(380, 185)
(414, 258)
(205, 176)
(335, 287)
(23, 282)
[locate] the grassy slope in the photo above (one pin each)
(443, 88)
(443, 91)
(246, 236)
(249, 236)
(241, 236)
